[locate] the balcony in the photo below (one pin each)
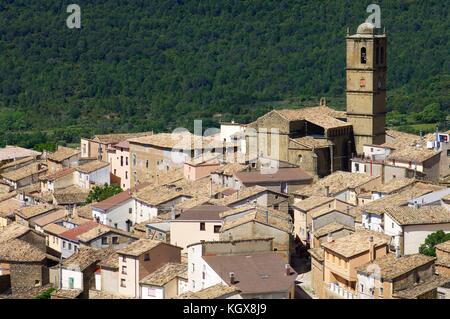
(338, 290)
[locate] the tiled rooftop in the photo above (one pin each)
(419, 216)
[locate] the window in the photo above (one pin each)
(121, 161)
(37, 283)
(124, 259)
(126, 160)
(115, 225)
(124, 270)
(217, 229)
(363, 55)
(146, 164)
(381, 292)
(115, 240)
(75, 248)
(70, 246)
(122, 283)
(448, 153)
(357, 167)
(71, 282)
(193, 267)
(104, 240)
(392, 225)
(202, 226)
(276, 206)
(134, 159)
(147, 257)
(203, 275)
(440, 295)
(126, 174)
(64, 244)
(115, 172)
(362, 288)
(193, 284)
(151, 292)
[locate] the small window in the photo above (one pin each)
(126, 160)
(146, 164)
(381, 292)
(202, 226)
(147, 257)
(124, 270)
(37, 283)
(130, 210)
(363, 55)
(217, 229)
(193, 267)
(70, 246)
(64, 244)
(115, 225)
(124, 259)
(115, 240)
(126, 174)
(122, 283)
(362, 288)
(151, 292)
(104, 240)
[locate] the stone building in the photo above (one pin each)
(366, 85)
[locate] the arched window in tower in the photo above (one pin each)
(382, 55)
(363, 55)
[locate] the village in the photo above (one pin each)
(302, 203)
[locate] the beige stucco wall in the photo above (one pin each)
(184, 233)
(120, 168)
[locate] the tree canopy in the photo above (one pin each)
(428, 247)
(99, 193)
(157, 65)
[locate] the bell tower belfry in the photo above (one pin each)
(366, 85)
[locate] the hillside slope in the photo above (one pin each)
(141, 65)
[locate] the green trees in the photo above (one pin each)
(99, 193)
(160, 64)
(428, 247)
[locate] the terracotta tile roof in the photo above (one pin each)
(311, 112)
(203, 212)
(24, 172)
(51, 218)
(317, 253)
(85, 211)
(11, 152)
(326, 210)
(393, 185)
(78, 220)
(18, 162)
(398, 199)
(72, 234)
(20, 251)
(139, 247)
(85, 257)
(118, 137)
(122, 144)
(70, 195)
(416, 291)
(255, 273)
(331, 228)
(313, 202)
(445, 246)
(30, 189)
(185, 141)
(62, 154)
(218, 291)
(91, 166)
(58, 174)
(338, 181)
(281, 175)
(391, 267)
(113, 201)
(8, 206)
(13, 231)
(101, 230)
(230, 169)
(356, 243)
(262, 217)
(191, 203)
(34, 210)
(243, 194)
(413, 154)
(54, 229)
(112, 262)
(254, 208)
(419, 216)
(205, 158)
(66, 293)
(165, 274)
(310, 142)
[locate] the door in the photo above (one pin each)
(71, 282)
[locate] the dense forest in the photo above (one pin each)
(157, 65)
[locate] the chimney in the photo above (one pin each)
(75, 211)
(329, 238)
(287, 269)
(327, 191)
(371, 249)
(397, 252)
(210, 187)
(232, 279)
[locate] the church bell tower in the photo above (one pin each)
(366, 85)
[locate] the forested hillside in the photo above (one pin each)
(155, 65)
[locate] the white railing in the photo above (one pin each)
(335, 288)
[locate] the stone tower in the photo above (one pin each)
(366, 85)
